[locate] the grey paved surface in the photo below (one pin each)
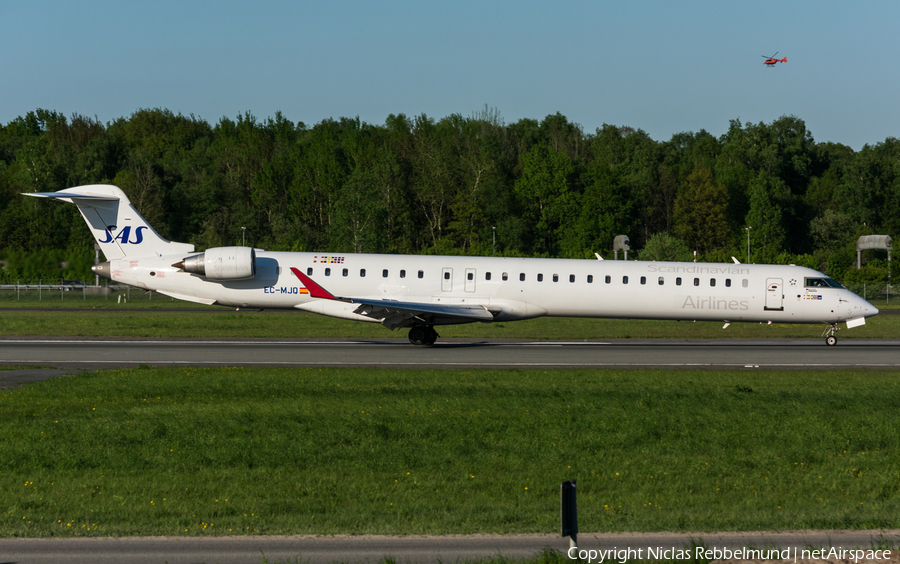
(625, 353)
(322, 550)
(13, 378)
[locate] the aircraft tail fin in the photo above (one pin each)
(115, 223)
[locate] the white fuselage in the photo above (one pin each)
(515, 288)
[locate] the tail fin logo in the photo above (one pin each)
(123, 235)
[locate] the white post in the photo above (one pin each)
(748, 228)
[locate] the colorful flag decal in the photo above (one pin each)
(329, 260)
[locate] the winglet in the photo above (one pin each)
(315, 290)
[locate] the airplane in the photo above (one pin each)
(424, 292)
(770, 61)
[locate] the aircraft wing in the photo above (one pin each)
(395, 313)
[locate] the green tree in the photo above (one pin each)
(766, 217)
(870, 190)
(663, 247)
(701, 211)
(547, 185)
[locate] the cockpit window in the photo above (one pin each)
(821, 283)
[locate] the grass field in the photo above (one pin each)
(229, 450)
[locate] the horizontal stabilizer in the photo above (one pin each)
(69, 196)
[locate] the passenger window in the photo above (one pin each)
(345, 272)
(556, 277)
(643, 279)
(540, 277)
(504, 277)
(327, 272)
(678, 281)
(309, 271)
(470, 275)
(384, 273)
(696, 281)
(522, 276)
(362, 272)
(571, 278)
(661, 281)
(624, 280)
(712, 281)
(590, 278)
(728, 282)
(402, 274)
(744, 283)
(421, 274)
(608, 278)
(487, 275)
(446, 276)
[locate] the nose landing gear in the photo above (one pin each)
(830, 339)
(422, 335)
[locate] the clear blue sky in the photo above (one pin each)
(663, 67)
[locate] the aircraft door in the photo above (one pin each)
(447, 280)
(774, 294)
(470, 280)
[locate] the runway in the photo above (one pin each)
(416, 549)
(76, 354)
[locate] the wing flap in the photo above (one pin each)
(377, 307)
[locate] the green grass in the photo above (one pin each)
(221, 322)
(273, 451)
(76, 298)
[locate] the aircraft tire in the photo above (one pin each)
(431, 336)
(831, 340)
(418, 335)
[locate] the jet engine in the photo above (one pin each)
(222, 263)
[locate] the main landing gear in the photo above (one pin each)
(422, 335)
(830, 339)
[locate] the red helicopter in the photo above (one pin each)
(770, 61)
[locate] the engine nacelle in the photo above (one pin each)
(222, 263)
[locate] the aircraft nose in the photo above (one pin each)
(868, 310)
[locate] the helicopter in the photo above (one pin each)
(770, 61)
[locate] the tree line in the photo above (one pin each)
(456, 185)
